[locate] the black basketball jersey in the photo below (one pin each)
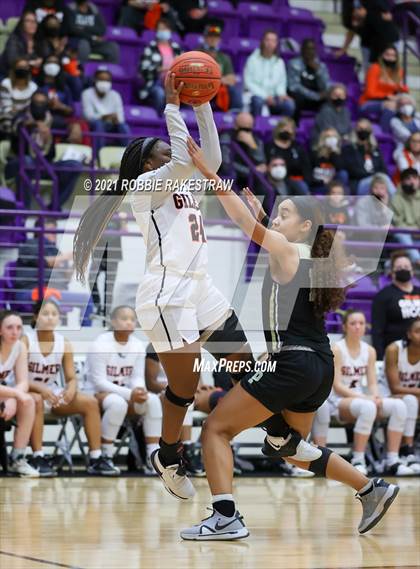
(288, 313)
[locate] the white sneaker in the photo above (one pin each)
(173, 477)
(360, 466)
(296, 472)
(413, 463)
(217, 528)
(23, 468)
(399, 469)
(293, 446)
(376, 503)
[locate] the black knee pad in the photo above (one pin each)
(319, 466)
(179, 401)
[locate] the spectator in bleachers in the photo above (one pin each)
(353, 17)
(285, 146)
(28, 261)
(308, 79)
(277, 176)
(265, 78)
(37, 120)
(336, 205)
(50, 37)
(396, 305)
(229, 96)
(155, 62)
(379, 27)
(370, 212)
(384, 81)
(115, 366)
(140, 14)
(327, 161)
(85, 26)
(14, 398)
(15, 94)
(103, 108)
(406, 121)
(350, 402)
(402, 369)
(363, 159)
(50, 354)
(44, 8)
(406, 207)
(245, 136)
(52, 83)
(409, 155)
(193, 14)
(334, 113)
(132, 13)
(23, 42)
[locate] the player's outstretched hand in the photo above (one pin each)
(172, 92)
(197, 157)
(254, 204)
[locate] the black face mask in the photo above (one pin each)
(402, 275)
(39, 110)
(338, 102)
(244, 129)
(390, 64)
(284, 135)
(408, 189)
(363, 134)
(22, 73)
(52, 32)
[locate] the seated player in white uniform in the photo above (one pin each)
(402, 370)
(49, 356)
(14, 398)
(115, 368)
(354, 362)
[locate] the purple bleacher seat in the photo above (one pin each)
(257, 18)
(264, 126)
(144, 121)
(302, 27)
(387, 146)
(121, 79)
(226, 12)
(192, 42)
(242, 48)
(386, 280)
(362, 305)
(224, 121)
(130, 45)
(341, 69)
(11, 9)
(148, 35)
(109, 9)
(364, 288)
(120, 33)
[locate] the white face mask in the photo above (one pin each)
(103, 86)
(331, 141)
(407, 110)
(278, 172)
(51, 69)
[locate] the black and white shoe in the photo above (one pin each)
(293, 446)
(192, 460)
(103, 466)
(43, 465)
(399, 469)
(217, 528)
(375, 503)
(174, 478)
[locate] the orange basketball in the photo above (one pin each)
(201, 76)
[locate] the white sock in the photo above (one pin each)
(18, 452)
(150, 447)
(358, 457)
(220, 497)
(108, 449)
(392, 458)
(38, 453)
(94, 454)
(366, 488)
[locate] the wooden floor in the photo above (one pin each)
(132, 523)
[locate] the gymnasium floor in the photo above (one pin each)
(132, 523)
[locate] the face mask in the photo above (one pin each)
(163, 35)
(21, 73)
(39, 110)
(51, 69)
(338, 102)
(363, 134)
(208, 47)
(284, 135)
(403, 275)
(407, 110)
(408, 189)
(103, 86)
(52, 32)
(390, 64)
(244, 129)
(278, 172)
(331, 142)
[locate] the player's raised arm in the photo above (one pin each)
(209, 136)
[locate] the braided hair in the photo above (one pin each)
(96, 218)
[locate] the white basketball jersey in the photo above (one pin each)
(46, 369)
(7, 376)
(354, 370)
(124, 362)
(174, 236)
(409, 374)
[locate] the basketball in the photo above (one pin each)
(201, 76)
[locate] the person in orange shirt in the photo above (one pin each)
(384, 81)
